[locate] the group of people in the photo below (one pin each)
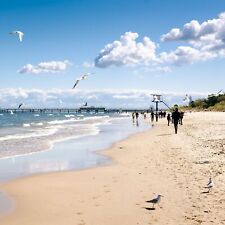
(175, 118)
(135, 116)
(157, 115)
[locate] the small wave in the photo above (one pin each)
(54, 122)
(68, 116)
(1, 114)
(39, 133)
(125, 114)
(26, 125)
(36, 115)
(81, 115)
(50, 114)
(37, 124)
(96, 117)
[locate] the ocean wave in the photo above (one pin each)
(37, 124)
(39, 133)
(95, 117)
(93, 130)
(70, 115)
(26, 125)
(55, 122)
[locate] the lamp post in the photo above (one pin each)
(156, 100)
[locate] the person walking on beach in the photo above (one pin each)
(145, 115)
(181, 118)
(176, 118)
(156, 116)
(137, 115)
(152, 116)
(168, 119)
(133, 116)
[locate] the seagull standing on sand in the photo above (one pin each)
(210, 184)
(83, 77)
(155, 200)
(19, 33)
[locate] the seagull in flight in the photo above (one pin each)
(155, 200)
(83, 77)
(20, 105)
(210, 184)
(19, 33)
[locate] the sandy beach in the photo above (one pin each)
(144, 165)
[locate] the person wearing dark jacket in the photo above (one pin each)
(168, 119)
(176, 118)
(181, 118)
(152, 116)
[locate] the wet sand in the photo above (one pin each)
(146, 164)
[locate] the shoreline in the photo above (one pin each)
(145, 164)
(70, 153)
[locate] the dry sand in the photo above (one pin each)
(154, 162)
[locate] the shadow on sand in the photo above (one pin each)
(149, 208)
(161, 135)
(204, 192)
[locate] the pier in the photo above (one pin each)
(71, 110)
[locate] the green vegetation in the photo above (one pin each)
(211, 103)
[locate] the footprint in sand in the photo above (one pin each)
(81, 223)
(95, 197)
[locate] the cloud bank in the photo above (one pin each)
(45, 67)
(75, 98)
(204, 41)
(207, 40)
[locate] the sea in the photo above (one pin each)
(32, 143)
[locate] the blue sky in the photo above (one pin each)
(77, 30)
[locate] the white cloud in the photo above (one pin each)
(193, 31)
(185, 55)
(45, 67)
(127, 52)
(75, 98)
(207, 41)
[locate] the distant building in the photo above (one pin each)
(93, 109)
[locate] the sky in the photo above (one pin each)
(133, 47)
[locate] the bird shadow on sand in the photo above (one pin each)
(149, 208)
